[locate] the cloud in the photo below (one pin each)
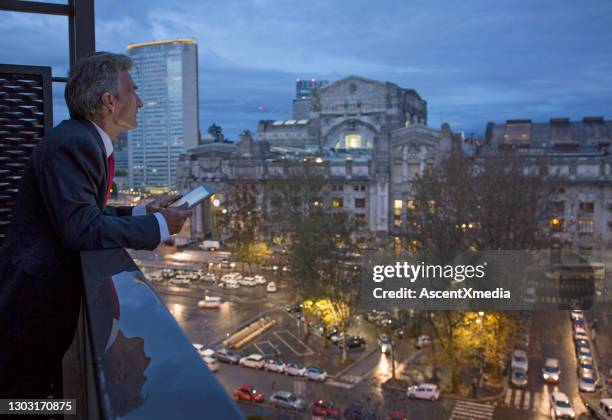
(473, 61)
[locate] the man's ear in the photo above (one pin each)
(108, 101)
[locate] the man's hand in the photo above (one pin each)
(161, 202)
(176, 217)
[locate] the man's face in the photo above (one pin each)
(127, 103)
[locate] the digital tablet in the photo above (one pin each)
(195, 196)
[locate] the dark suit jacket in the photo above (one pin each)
(59, 212)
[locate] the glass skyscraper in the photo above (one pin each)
(166, 73)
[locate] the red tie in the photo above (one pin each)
(111, 175)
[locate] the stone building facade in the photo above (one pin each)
(370, 138)
(576, 155)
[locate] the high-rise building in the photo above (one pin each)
(166, 73)
(120, 148)
(302, 104)
(303, 88)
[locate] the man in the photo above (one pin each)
(61, 210)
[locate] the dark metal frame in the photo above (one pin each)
(81, 23)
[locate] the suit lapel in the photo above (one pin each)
(94, 133)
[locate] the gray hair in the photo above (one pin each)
(90, 78)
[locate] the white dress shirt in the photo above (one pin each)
(164, 233)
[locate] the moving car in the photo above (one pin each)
(247, 281)
(295, 369)
(227, 356)
(316, 374)
(286, 399)
(584, 353)
(210, 302)
(519, 360)
(248, 393)
(560, 406)
(424, 392)
(275, 365)
(551, 371)
(385, 344)
(576, 314)
(519, 378)
(323, 408)
(271, 287)
(580, 334)
(212, 363)
(255, 361)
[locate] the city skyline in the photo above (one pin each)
(473, 62)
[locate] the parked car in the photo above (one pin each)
(584, 353)
(286, 399)
(295, 369)
(576, 314)
(519, 360)
(212, 363)
(587, 384)
(259, 279)
(316, 374)
(209, 277)
(293, 308)
(580, 334)
(551, 372)
(323, 408)
(227, 356)
(353, 342)
(271, 287)
(385, 344)
(255, 361)
(424, 392)
(519, 378)
(397, 415)
(248, 393)
(275, 365)
(423, 341)
(247, 281)
(585, 368)
(560, 406)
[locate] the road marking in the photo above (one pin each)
(332, 382)
(309, 351)
(508, 397)
(526, 401)
(517, 398)
(355, 379)
(467, 410)
(266, 343)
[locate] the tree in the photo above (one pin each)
(243, 223)
(475, 205)
(321, 241)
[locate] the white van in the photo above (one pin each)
(271, 287)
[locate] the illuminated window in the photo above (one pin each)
(397, 221)
(397, 207)
(556, 224)
(412, 205)
(352, 141)
(585, 226)
(337, 203)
